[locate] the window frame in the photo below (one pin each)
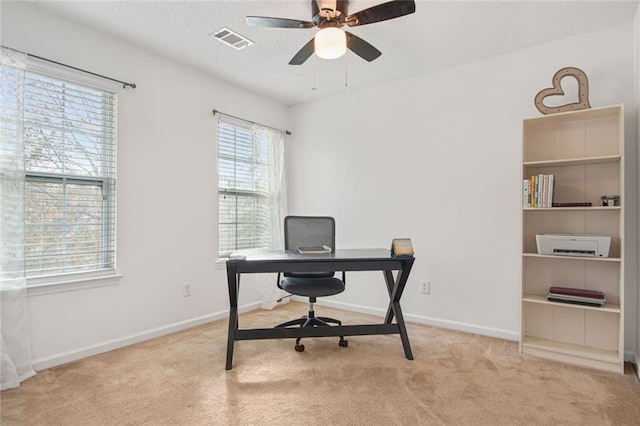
(105, 273)
(260, 191)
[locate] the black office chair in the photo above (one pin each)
(311, 231)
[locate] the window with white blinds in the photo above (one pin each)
(245, 167)
(70, 177)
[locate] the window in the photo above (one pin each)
(250, 183)
(70, 177)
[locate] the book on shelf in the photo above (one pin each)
(579, 204)
(576, 296)
(538, 191)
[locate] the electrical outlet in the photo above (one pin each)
(186, 289)
(426, 287)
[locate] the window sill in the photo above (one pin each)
(63, 284)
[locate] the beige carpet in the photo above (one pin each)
(455, 379)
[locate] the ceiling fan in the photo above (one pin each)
(329, 16)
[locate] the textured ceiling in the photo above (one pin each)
(438, 35)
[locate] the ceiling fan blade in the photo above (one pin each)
(303, 54)
(381, 12)
(362, 48)
(264, 21)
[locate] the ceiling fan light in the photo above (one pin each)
(330, 43)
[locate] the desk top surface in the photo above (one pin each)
(369, 254)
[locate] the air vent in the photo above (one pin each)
(232, 38)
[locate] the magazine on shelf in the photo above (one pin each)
(576, 295)
(576, 301)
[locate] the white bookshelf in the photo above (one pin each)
(584, 151)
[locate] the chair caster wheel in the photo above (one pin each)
(299, 348)
(344, 343)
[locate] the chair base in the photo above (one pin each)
(312, 321)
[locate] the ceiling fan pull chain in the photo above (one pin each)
(346, 72)
(315, 68)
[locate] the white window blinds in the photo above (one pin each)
(249, 186)
(70, 177)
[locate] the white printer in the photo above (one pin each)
(580, 245)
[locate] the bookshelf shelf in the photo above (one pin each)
(583, 151)
(556, 209)
(574, 161)
(572, 258)
(576, 354)
(607, 307)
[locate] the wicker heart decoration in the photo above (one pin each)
(556, 90)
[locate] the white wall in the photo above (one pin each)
(438, 158)
(167, 193)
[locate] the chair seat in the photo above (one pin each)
(310, 274)
(312, 287)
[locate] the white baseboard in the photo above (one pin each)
(87, 351)
(66, 357)
(419, 319)
(637, 363)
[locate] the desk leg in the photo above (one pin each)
(390, 281)
(395, 288)
(232, 281)
(404, 337)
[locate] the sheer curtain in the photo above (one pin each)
(15, 349)
(277, 188)
(278, 208)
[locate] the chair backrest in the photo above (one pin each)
(309, 231)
